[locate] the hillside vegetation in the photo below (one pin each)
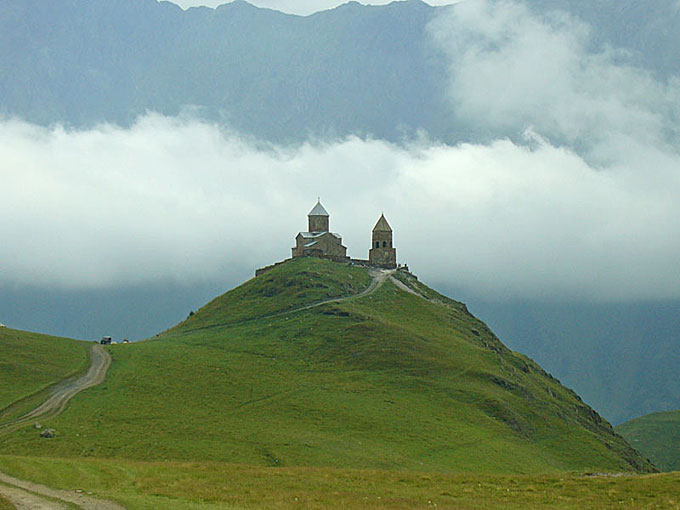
(5, 504)
(656, 436)
(390, 380)
(31, 362)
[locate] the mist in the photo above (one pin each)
(571, 192)
(185, 201)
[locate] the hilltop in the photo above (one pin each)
(398, 377)
(656, 436)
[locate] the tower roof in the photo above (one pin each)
(382, 225)
(318, 210)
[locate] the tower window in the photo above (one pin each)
(384, 244)
(377, 244)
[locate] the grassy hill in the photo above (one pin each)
(390, 380)
(657, 437)
(30, 363)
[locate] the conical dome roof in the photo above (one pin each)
(318, 210)
(382, 225)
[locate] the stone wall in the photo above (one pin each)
(318, 223)
(383, 257)
(263, 270)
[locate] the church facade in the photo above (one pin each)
(319, 241)
(382, 252)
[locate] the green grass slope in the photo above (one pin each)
(390, 380)
(31, 362)
(657, 437)
(5, 504)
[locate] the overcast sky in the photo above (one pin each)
(301, 7)
(584, 205)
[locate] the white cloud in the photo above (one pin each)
(181, 199)
(575, 196)
(511, 70)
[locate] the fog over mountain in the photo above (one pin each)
(526, 156)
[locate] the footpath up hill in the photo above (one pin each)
(31, 363)
(390, 379)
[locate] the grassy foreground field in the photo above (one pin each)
(219, 486)
(5, 504)
(390, 380)
(656, 436)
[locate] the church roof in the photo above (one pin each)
(382, 225)
(315, 235)
(318, 210)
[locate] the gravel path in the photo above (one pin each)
(401, 285)
(24, 500)
(22, 492)
(27, 495)
(379, 276)
(56, 403)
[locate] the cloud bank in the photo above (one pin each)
(575, 196)
(183, 200)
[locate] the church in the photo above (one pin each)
(320, 242)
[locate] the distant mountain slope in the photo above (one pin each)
(277, 76)
(389, 380)
(620, 357)
(351, 70)
(648, 30)
(30, 362)
(656, 436)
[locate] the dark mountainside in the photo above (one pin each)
(283, 78)
(276, 76)
(621, 358)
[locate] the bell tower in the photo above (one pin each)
(382, 252)
(318, 219)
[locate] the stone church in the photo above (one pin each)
(320, 242)
(382, 253)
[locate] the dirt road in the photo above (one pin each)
(100, 361)
(378, 278)
(28, 495)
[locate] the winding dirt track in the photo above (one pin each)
(55, 404)
(379, 276)
(28, 495)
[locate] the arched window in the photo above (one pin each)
(384, 244)
(377, 244)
